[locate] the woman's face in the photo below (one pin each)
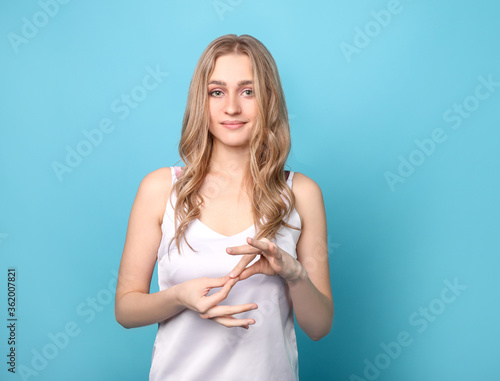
(231, 100)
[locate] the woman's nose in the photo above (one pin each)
(232, 105)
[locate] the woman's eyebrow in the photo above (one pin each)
(222, 83)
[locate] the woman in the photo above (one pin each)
(238, 250)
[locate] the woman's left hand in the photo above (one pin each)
(273, 261)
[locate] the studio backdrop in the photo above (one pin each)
(394, 112)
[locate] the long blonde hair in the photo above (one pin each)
(271, 197)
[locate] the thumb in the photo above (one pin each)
(217, 282)
(249, 271)
(222, 294)
(242, 264)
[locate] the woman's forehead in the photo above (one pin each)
(232, 69)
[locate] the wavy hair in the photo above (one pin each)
(271, 198)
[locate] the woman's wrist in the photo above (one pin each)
(298, 275)
(176, 291)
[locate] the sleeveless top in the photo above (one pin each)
(189, 348)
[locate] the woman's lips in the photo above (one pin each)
(233, 125)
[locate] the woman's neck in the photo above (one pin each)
(232, 164)
(233, 161)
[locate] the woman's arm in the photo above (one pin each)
(311, 291)
(134, 305)
(308, 276)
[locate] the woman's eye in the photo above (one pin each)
(216, 93)
(248, 92)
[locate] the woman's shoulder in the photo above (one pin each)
(154, 190)
(159, 179)
(308, 194)
(303, 184)
(156, 185)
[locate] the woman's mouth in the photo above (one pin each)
(233, 124)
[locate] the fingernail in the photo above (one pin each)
(229, 250)
(255, 307)
(232, 274)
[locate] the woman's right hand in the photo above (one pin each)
(193, 295)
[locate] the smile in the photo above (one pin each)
(233, 124)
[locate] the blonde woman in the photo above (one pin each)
(240, 243)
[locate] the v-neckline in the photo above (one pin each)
(220, 234)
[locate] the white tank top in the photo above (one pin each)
(189, 348)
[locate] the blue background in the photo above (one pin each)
(357, 104)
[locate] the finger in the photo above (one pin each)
(222, 294)
(248, 272)
(218, 311)
(242, 264)
(266, 246)
(229, 321)
(242, 250)
(216, 282)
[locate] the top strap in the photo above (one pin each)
(178, 171)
